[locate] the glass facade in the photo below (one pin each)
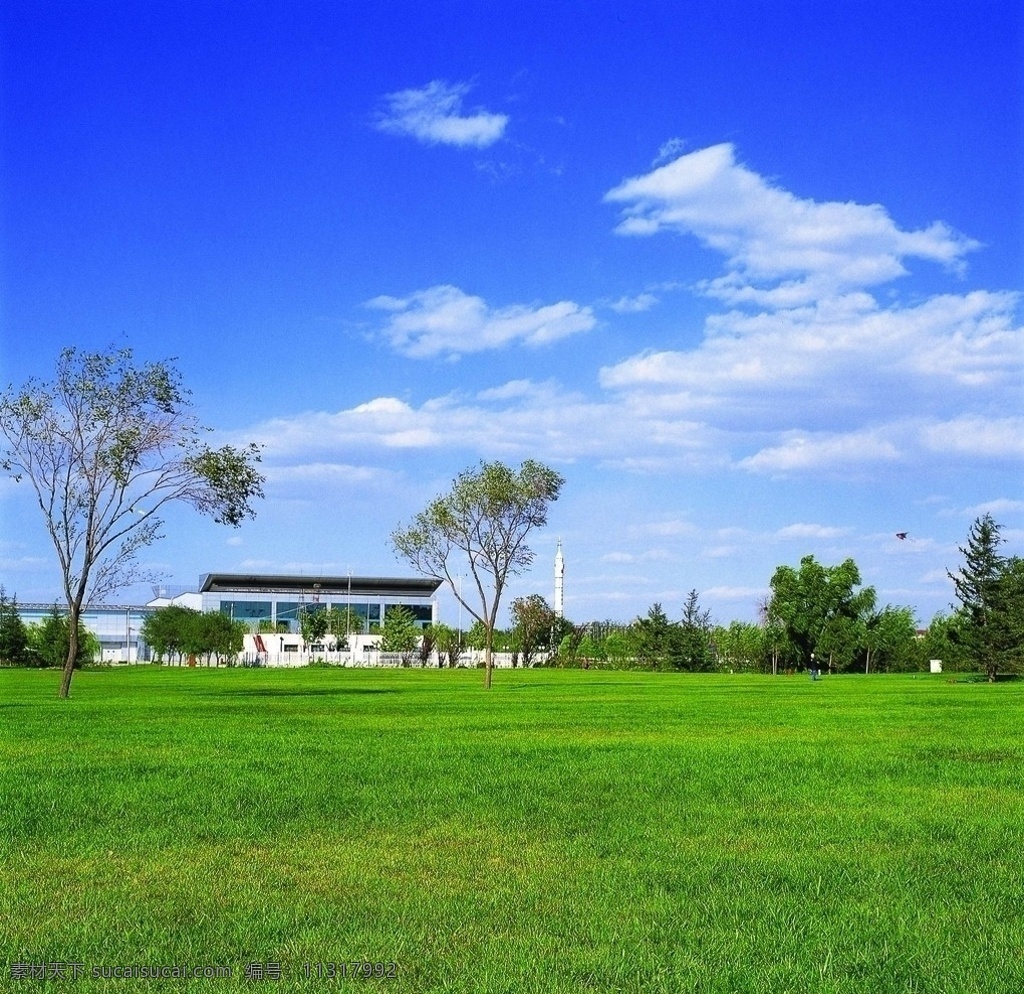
(421, 612)
(247, 610)
(286, 612)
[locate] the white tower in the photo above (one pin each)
(559, 581)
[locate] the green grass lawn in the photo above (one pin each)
(567, 831)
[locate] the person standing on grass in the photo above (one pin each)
(813, 667)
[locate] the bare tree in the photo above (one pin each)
(106, 446)
(482, 521)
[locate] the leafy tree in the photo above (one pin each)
(483, 522)
(591, 650)
(106, 446)
(448, 643)
(890, 640)
(399, 631)
(267, 627)
(841, 640)
(989, 588)
(343, 622)
(1007, 618)
(533, 622)
(167, 631)
(426, 646)
(818, 611)
(617, 648)
(742, 646)
(313, 625)
(945, 641)
(476, 637)
(179, 632)
(13, 634)
(49, 641)
(569, 646)
(776, 643)
(217, 636)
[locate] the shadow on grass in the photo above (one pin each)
(288, 692)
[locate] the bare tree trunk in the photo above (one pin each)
(69, 664)
(488, 659)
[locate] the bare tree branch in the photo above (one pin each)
(106, 446)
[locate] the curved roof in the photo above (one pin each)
(375, 586)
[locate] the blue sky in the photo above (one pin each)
(747, 274)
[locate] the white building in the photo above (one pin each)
(274, 600)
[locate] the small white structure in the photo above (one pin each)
(936, 665)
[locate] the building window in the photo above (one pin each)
(247, 610)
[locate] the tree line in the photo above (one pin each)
(815, 615)
(110, 443)
(44, 643)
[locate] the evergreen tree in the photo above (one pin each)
(656, 640)
(977, 586)
(694, 638)
(13, 634)
(50, 641)
(1006, 620)
(399, 632)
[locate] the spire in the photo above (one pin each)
(559, 581)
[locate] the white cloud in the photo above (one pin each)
(309, 477)
(722, 551)
(805, 451)
(520, 419)
(804, 351)
(734, 593)
(618, 557)
(650, 555)
(433, 115)
(805, 530)
(670, 528)
(857, 352)
(19, 564)
(634, 305)
(671, 149)
(1001, 505)
(445, 320)
(768, 233)
(806, 372)
(516, 389)
(976, 435)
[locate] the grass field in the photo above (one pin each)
(567, 831)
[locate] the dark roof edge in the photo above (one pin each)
(399, 586)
